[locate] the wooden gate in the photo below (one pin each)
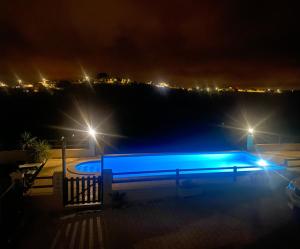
(83, 191)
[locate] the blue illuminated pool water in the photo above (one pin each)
(152, 162)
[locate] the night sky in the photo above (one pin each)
(234, 42)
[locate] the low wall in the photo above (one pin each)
(72, 153)
(13, 156)
(276, 147)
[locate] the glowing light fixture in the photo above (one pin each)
(92, 132)
(250, 130)
(262, 162)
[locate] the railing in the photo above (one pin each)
(82, 190)
(31, 172)
(277, 138)
(175, 174)
(287, 160)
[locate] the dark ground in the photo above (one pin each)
(249, 214)
(158, 120)
(150, 119)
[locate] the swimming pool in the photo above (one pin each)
(221, 162)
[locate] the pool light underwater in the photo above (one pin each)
(262, 162)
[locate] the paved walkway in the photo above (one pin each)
(82, 231)
(54, 165)
(220, 216)
(50, 228)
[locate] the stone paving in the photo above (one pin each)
(231, 216)
(48, 229)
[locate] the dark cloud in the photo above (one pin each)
(233, 41)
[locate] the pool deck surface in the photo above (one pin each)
(224, 215)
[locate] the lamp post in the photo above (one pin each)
(64, 165)
(63, 155)
(102, 173)
(92, 140)
(92, 144)
(250, 139)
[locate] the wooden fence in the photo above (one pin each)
(82, 190)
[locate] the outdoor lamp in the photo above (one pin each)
(250, 142)
(250, 130)
(92, 132)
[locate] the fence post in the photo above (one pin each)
(63, 155)
(177, 182)
(234, 173)
(107, 186)
(71, 190)
(64, 165)
(58, 188)
(77, 191)
(92, 146)
(94, 188)
(101, 185)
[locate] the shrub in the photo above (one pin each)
(27, 141)
(38, 150)
(41, 150)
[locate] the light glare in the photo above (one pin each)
(92, 132)
(251, 130)
(262, 162)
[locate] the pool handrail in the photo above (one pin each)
(177, 176)
(192, 169)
